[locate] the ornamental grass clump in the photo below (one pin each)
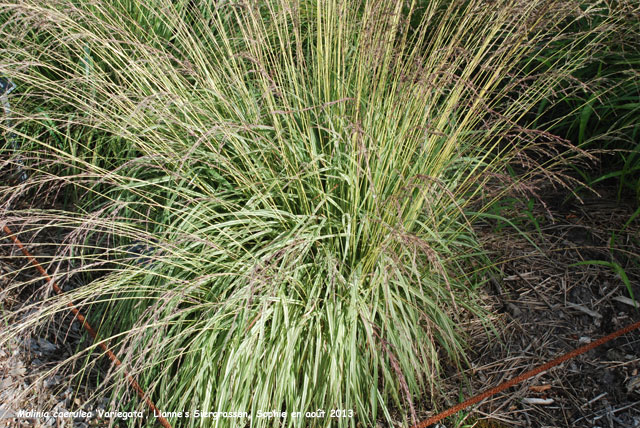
(261, 205)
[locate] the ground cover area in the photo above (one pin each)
(549, 306)
(542, 303)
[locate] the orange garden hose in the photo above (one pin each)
(89, 329)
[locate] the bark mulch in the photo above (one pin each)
(546, 305)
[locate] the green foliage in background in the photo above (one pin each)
(598, 107)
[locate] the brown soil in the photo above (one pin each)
(546, 306)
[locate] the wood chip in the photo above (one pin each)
(584, 309)
(634, 383)
(540, 388)
(626, 300)
(538, 401)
